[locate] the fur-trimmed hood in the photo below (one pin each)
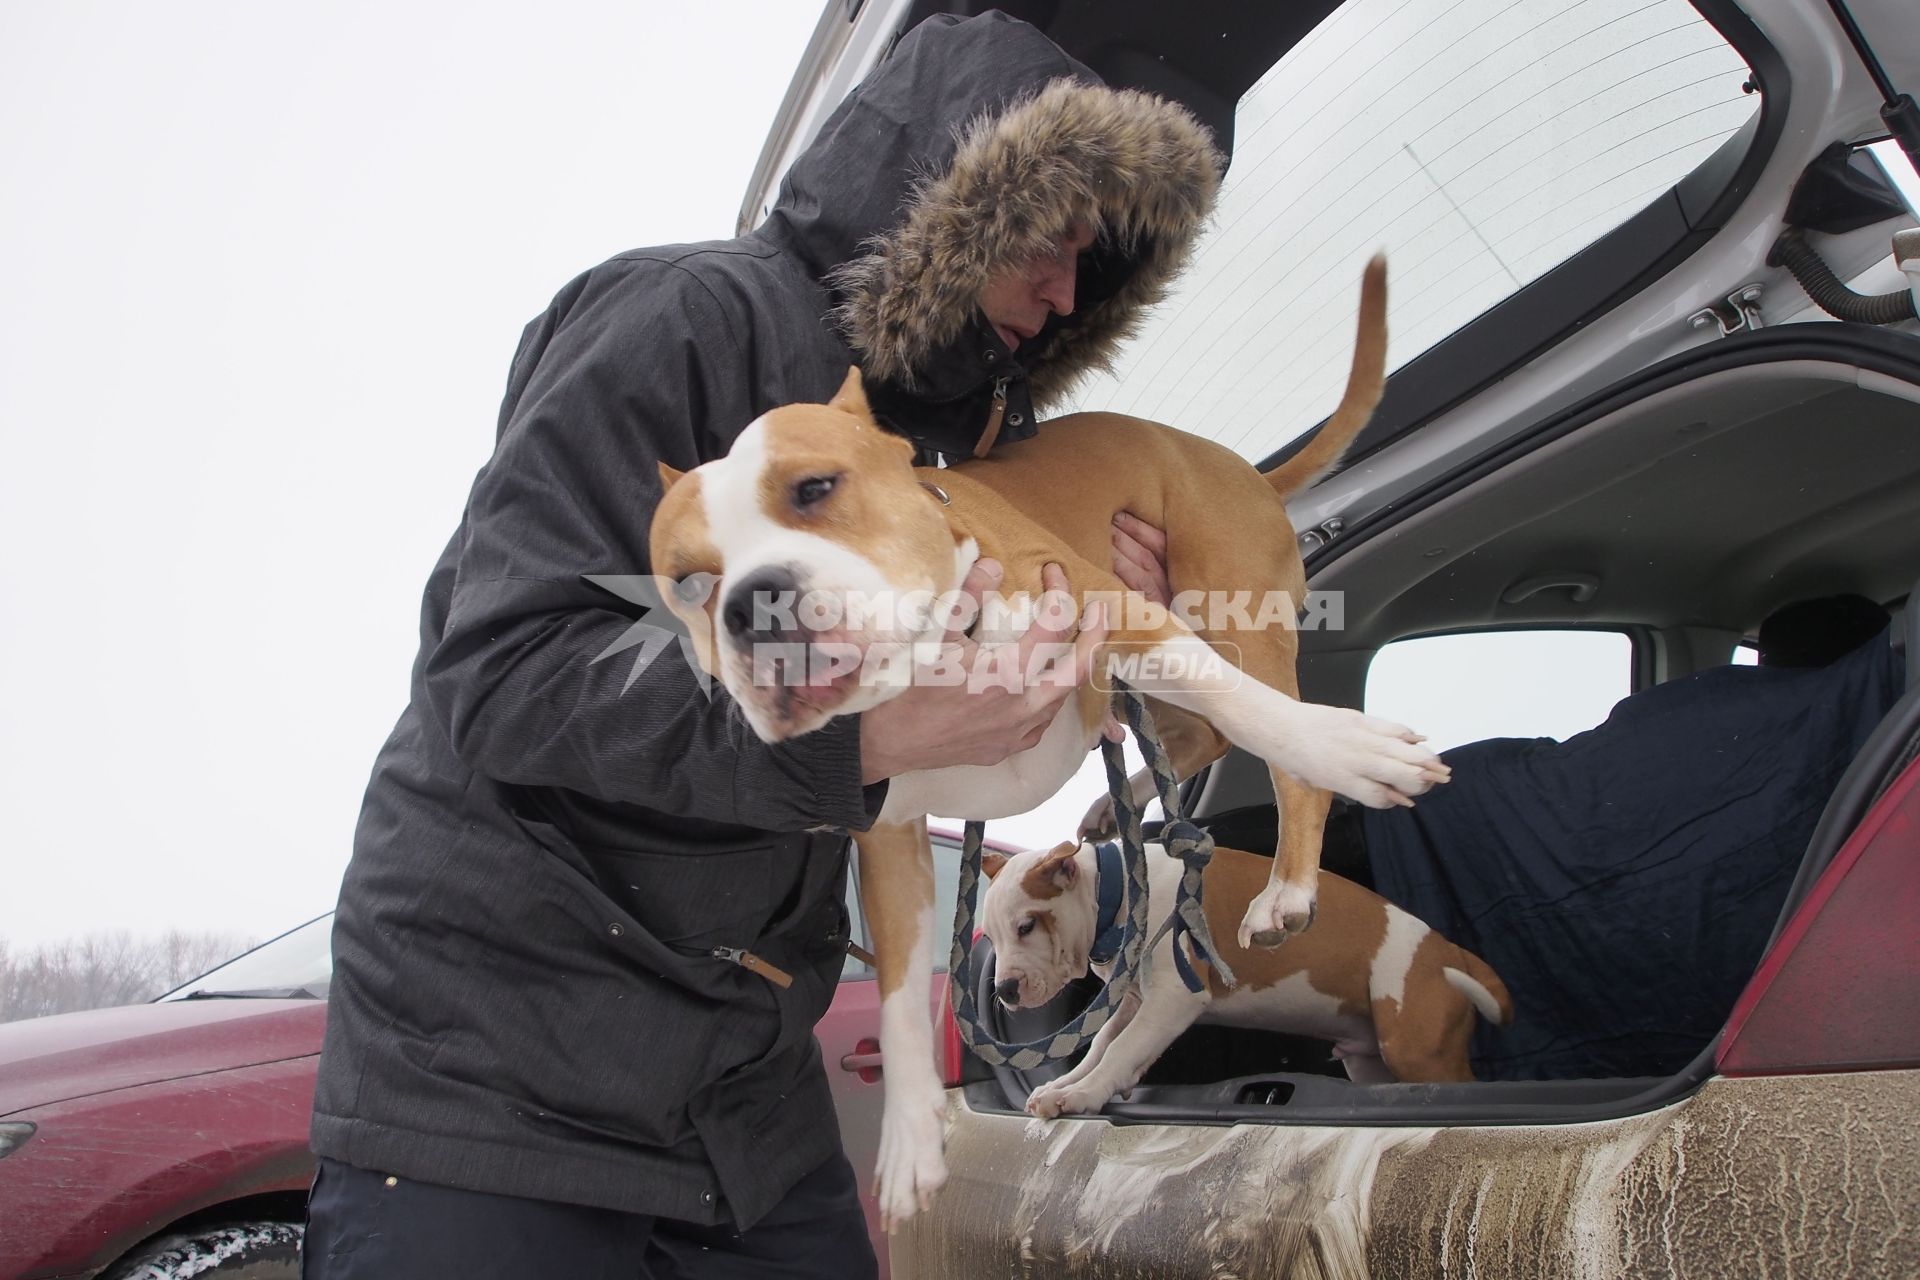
(973, 148)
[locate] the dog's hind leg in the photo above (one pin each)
(896, 891)
(1286, 905)
(1366, 1068)
(1426, 1042)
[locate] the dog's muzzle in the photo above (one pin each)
(759, 608)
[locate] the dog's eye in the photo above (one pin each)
(1026, 927)
(813, 490)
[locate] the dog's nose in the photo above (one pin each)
(760, 606)
(1008, 989)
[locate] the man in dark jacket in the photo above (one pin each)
(538, 1060)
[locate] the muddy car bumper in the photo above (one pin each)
(1803, 1175)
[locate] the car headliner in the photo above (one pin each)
(1773, 483)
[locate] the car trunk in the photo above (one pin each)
(1744, 474)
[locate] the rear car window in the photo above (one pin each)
(1501, 684)
(946, 888)
(1480, 143)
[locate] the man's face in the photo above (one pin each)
(1018, 299)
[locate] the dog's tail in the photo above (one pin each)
(1475, 979)
(1364, 385)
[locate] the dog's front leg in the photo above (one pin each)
(896, 890)
(1309, 749)
(1129, 1005)
(1166, 1010)
(1375, 761)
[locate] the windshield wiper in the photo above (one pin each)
(259, 993)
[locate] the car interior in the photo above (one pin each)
(1679, 512)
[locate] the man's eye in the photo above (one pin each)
(1026, 927)
(813, 489)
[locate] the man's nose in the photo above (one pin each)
(1055, 286)
(759, 608)
(1008, 989)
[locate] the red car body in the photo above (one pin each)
(190, 1113)
(150, 1115)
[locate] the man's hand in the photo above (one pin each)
(1140, 558)
(934, 726)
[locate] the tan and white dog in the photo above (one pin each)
(817, 503)
(1396, 999)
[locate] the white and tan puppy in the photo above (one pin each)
(818, 509)
(1396, 999)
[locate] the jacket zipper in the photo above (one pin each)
(754, 964)
(992, 432)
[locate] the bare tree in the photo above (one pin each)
(104, 969)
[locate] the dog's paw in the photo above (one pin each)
(1081, 1098)
(1098, 824)
(1376, 762)
(1043, 1103)
(912, 1164)
(1279, 911)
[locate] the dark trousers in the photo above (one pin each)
(363, 1225)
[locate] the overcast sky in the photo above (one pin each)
(265, 268)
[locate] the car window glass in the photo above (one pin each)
(1480, 143)
(852, 967)
(1501, 684)
(1900, 172)
(946, 887)
(1746, 655)
(299, 960)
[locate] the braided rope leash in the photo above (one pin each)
(1182, 839)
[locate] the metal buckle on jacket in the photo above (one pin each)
(754, 964)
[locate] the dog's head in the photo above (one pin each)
(1039, 912)
(810, 544)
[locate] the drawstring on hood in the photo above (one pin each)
(971, 151)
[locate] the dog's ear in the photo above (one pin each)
(1059, 866)
(992, 864)
(669, 477)
(852, 396)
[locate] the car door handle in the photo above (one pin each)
(865, 1059)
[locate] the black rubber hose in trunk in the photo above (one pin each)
(1826, 289)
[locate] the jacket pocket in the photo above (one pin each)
(691, 901)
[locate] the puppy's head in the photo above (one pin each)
(798, 553)
(1038, 910)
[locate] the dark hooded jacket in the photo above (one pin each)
(525, 996)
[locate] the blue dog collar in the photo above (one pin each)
(1110, 891)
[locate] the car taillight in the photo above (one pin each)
(1840, 989)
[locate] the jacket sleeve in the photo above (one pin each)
(633, 364)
